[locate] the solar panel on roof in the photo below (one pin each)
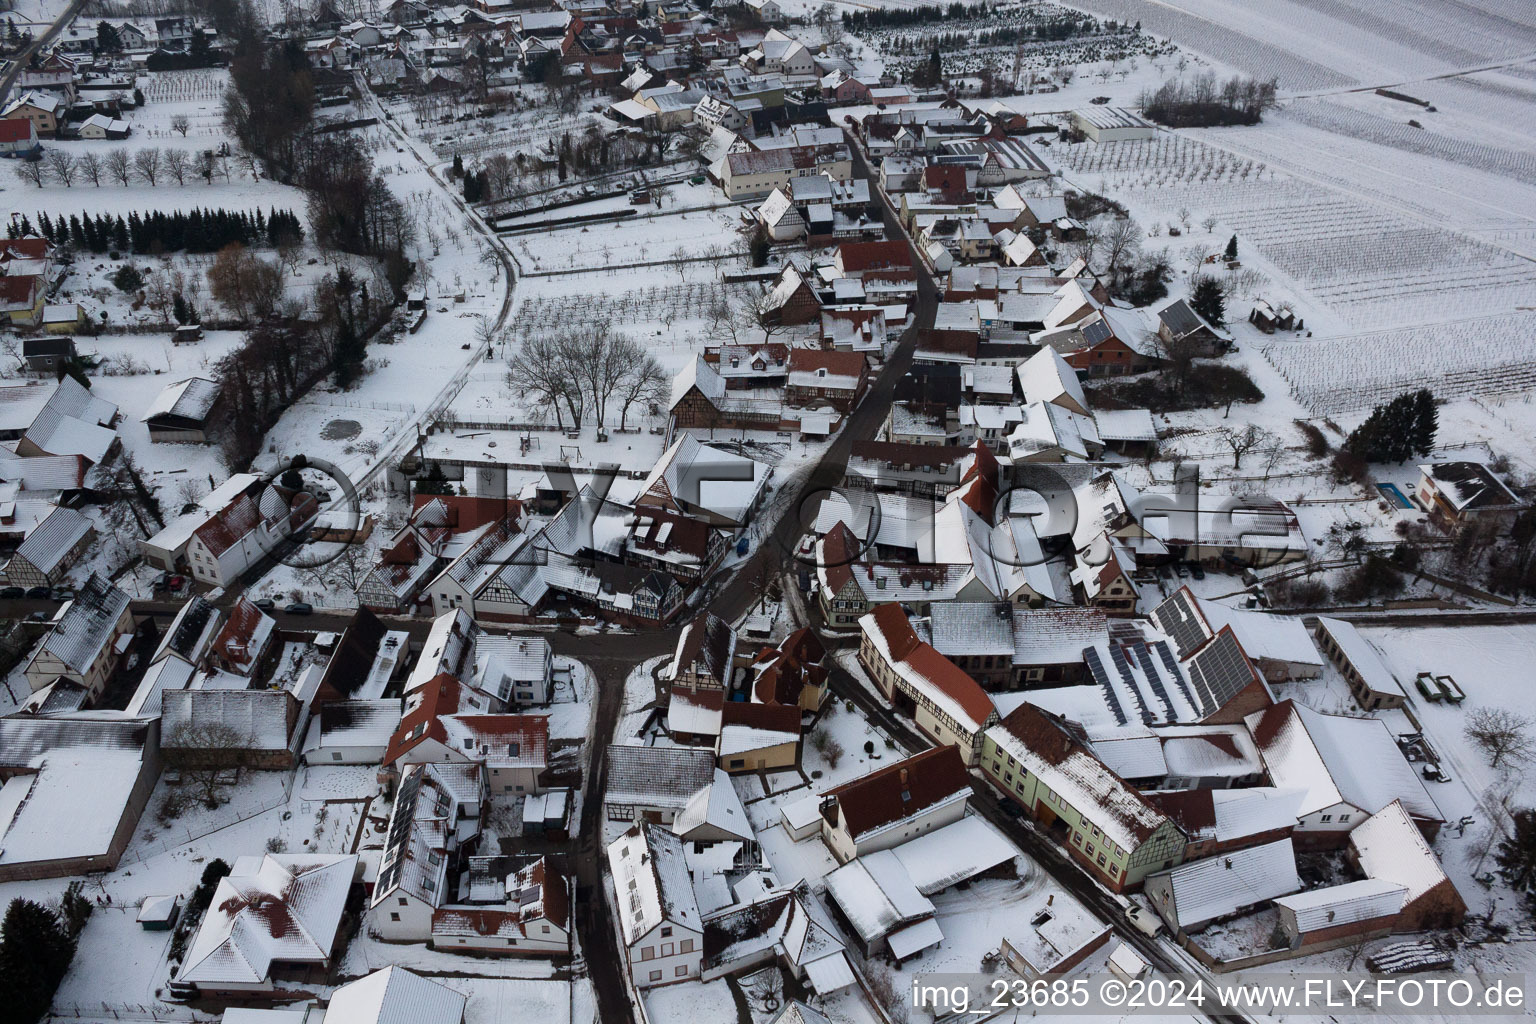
(1096, 332)
(1101, 676)
(1154, 677)
(1129, 675)
(1169, 662)
(1179, 619)
(1220, 671)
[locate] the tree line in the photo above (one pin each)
(151, 165)
(155, 232)
(1201, 102)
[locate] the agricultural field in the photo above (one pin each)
(1369, 263)
(655, 238)
(1336, 44)
(1493, 354)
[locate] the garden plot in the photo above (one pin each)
(658, 238)
(1488, 356)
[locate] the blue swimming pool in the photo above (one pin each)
(1395, 496)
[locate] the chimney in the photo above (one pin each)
(903, 778)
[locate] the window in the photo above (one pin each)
(666, 933)
(647, 952)
(655, 975)
(681, 972)
(335, 755)
(1343, 818)
(544, 929)
(667, 949)
(1327, 817)
(686, 946)
(403, 901)
(1101, 860)
(394, 916)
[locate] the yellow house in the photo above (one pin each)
(64, 318)
(21, 298)
(758, 737)
(39, 108)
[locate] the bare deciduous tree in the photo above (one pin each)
(1504, 734)
(1242, 440)
(30, 170)
(147, 163)
(181, 123)
(63, 166)
(1122, 241)
(203, 753)
(178, 165)
(540, 371)
(120, 166)
(91, 166)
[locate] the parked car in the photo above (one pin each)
(12, 593)
(1197, 570)
(266, 604)
(299, 608)
(1145, 921)
(176, 582)
(39, 593)
(162, 581)
(62, 594)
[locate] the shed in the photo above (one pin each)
(44, 354)
(159, 913)
(1112, 124)
(180, 413)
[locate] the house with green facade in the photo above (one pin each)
(1047, 765)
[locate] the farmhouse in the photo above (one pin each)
(1460, 491)
(658, 913)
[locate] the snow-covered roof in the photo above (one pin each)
(660, 777)
(651, 877)
(694, 476)
(258, 717)
(86, 624)
(1192, 621)
(715, 806)
(1204, 890)
(1390, 847)
(1046, 377)
(1469, 485)
(55, 537)
(280, 908)
(395, 996)
(1334, 906)
(1125, 425)
(71, 780)
(953, 853)
(74, 422)
(1337, 759)
(190, 399)
(1047, 747)
(1361, 654)
(876, 895)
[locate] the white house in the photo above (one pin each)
(438, 808)
(658, 912)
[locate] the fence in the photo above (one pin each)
(341, 402)
(170, 839)
(128, 1011)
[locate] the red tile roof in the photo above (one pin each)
(898, 791)
(15, 129)
(858, 256)
(439, 697)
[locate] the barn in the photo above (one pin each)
(181, 412)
